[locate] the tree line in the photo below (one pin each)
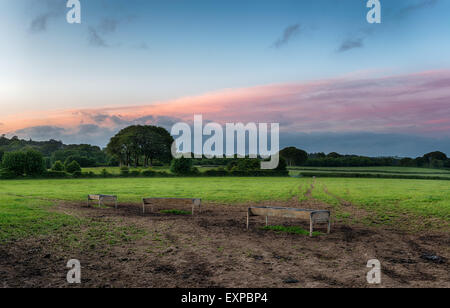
(144, 145)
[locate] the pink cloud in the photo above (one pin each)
(417, 103)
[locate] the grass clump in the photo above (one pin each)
(176, 212)
(291, 230)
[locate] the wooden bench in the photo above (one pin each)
(101, 199)
(171, 201)
(314, 216)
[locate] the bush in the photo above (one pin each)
(149, 173)
(34, 163)
(58, 166)
(282, 165)
(181, 166)
(105, 173)
(84, 162)
(77, 174)
(73, 167)
(15, 163)
(124, 171)
(216, 172)
(135, 173)
(5, 174)
(247, 164)
(55, 174)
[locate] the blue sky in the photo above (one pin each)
(137, 52)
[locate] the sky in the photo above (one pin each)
(333, 81)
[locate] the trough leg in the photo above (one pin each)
(143, 208)
(193, 207)
(248, 217)
(116, 204)
(88, 201)
(310, 227)
(329, 226)
(267, 221)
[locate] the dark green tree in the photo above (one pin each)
(14, 162)
(34, 163)
(136, 142)
(181, 166)
(73, 167)
(435, 156)
(58, 166)
(294, 156)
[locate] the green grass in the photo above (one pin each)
(116, 170)
(290, 230)
(403, 172)
(389, 169)
(215, 189)
(26, 206)
(176, 212)
(23, 217)
(390, 201)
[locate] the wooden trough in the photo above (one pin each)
(101, 199)
(171, 201)
(314, 216)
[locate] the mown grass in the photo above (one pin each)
(213, 189)
(26, 205)
(22, 217)
(389, 169)
(389, 201)
(371, 172)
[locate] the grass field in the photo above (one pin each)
(45, 222)
(24, 203)
(371, 171)
(390, 201)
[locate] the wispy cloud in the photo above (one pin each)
(418, 5)
(351, 43)
(406, 104)
(288, 34)
(95, 39)
(105, 27)
(51, 9)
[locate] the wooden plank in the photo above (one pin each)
(192, 202)
(314, 216)
(168, 201)
(94, 197)
(102, 198)
(281, 212)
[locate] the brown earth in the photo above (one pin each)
(213, 249)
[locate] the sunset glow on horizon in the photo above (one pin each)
(317, 68)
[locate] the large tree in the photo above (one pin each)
(137, 141)
(294, 156)
(436, 156)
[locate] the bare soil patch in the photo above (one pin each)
(213, 249)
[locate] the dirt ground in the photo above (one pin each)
(214, 249)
